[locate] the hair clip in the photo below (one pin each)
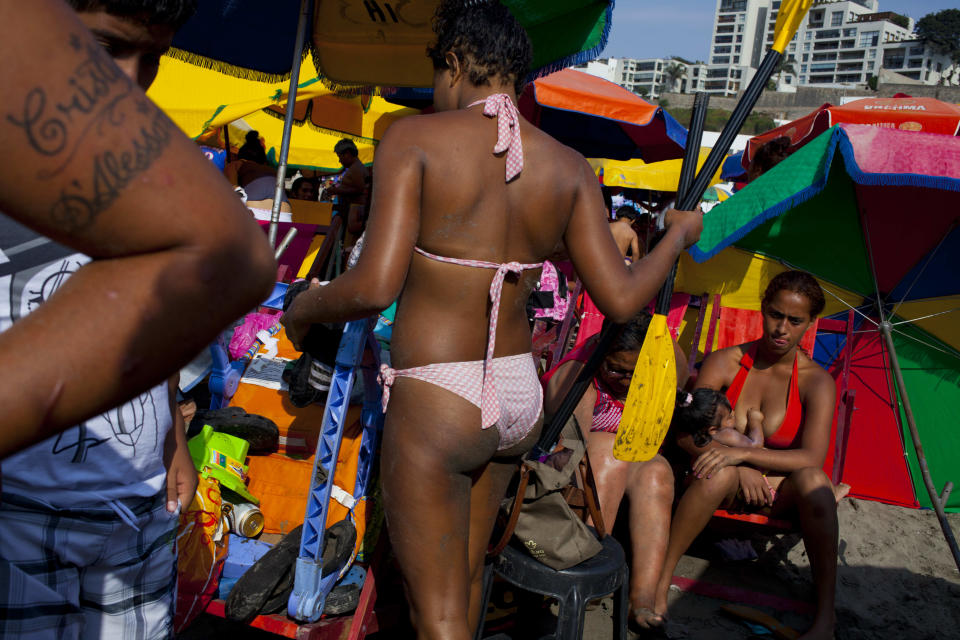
(685, 398)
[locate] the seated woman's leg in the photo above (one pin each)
(433, 449)
(699, 501)
(810, 494)
(609, 474)
(650, 489)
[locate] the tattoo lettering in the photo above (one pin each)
(78, 205)
(93, 81)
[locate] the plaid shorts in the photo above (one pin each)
(84, 572)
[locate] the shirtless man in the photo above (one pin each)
(439, 193)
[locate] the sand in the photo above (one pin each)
(896, 579)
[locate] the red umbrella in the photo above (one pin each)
(900, 112)
(601, 119)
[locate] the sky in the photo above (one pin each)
(664, 28)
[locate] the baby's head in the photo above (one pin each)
(701, 414)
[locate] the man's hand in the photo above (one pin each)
(181, 480)
(181, 474)
(691, 222)
(754, 488)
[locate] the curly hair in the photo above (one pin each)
(697, 412)
(799, 282)
(173, 13)
(485, 37)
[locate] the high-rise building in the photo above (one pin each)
(841, 43)
(649, 77)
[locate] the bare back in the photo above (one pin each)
(469, 211)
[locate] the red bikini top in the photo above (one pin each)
(787, 436)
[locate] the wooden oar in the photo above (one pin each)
(647, 417)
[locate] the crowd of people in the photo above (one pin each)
(136, 266)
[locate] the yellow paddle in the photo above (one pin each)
(650, 401)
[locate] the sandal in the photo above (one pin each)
(656, 623)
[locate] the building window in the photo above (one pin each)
(733, 5)
(873, 54)
(809, 35)
(723, 39)
(869, 39)
(836, 18)
(739, 28)
(803, 68)
(803, 79)
(739, 38)
(793, 47)
(916, 51)
(721, 60)
(786, 79)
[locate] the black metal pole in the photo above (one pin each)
(688, 171)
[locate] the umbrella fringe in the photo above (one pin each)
(333, 132)
(892, 179)
(225, 68)
(583, 56)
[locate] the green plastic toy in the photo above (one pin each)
(221, 455)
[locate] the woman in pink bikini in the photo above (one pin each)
(468, 202)
(796, 397)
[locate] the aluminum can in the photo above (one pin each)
(244, 519)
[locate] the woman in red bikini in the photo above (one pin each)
(796, 397)
(468, 202)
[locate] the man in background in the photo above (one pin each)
(352, 188)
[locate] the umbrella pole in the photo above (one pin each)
(288, 121)
(886, 328)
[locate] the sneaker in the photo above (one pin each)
(320, 376)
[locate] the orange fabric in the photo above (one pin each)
(579, 91)
(283, 484)
(199, 558)
(299, 428)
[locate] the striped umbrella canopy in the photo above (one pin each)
(601, 119)
(901, 112)
(371, 42)
(202, 101)
(873, 213)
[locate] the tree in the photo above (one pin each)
(785, 66)
(872, 82)
(941, 32)
(673, 72)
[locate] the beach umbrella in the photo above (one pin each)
(873, 212)
(637, 174)
(202, 101)
(732, 168)
(601, 119)
(370, 42)
(365, 42)
(901, 112)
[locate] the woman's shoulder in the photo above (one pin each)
(810, 373)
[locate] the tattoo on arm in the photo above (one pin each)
(100, 97)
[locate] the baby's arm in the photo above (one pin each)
(733, 438)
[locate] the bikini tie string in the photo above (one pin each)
(500, 105)
(386, 378)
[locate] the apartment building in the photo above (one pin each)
(841, 43)
(649, 77)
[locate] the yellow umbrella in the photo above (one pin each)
(636, 174)
(201, 101)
